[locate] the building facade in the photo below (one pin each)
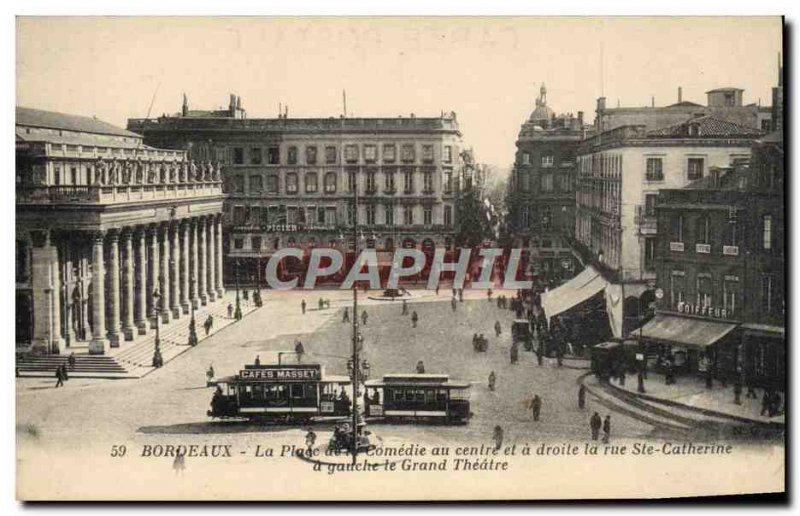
(294, 182)
(109, 233)
(721, 268)
(620, 174)
(542, 190)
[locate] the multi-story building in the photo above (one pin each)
(721, 103)
(620, 173)
(542, 190)
(103, 223)
(294, 181)
(721, 269)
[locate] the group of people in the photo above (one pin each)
(61, 375)
(323, 303)
(209, 322)
(770, 403)
(502, 301)
(596, 423)
(479, 342)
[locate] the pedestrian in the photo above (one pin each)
(536, 407)
(346, 315)
(230, 311)
(640, 382)
(489, 295)
(437, 289)
(737, 391)
(461, 295)
(299, 349)
(766, 401)
(64, 372)
(607, 429)
(492, 380)
(179, 464)
(497, 328)
(497, 435)
(514, 354)
(303, 306)
(594, 424)
(71, 361)
(775, 405)
(405, 308)
(453, 304)
(257, 361)
(582, 397)
(622, 377)
(475, 342)
(539, 357)
(59, 378)
(364, 317)
(414, 319)
(245, 295)
(420, 367)
(210, 373)
(320, 304)
(207, 325)
(751, 392)
(311, 438)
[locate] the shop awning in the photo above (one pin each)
(575, 291)
(684, 330)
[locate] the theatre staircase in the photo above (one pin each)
(133, 359)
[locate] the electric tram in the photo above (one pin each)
(282, 392)
(417, 397)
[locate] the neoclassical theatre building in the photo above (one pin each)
(110, 233)
(293, 182)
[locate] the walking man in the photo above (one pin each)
(514, 353)
(59, 378)
(536, 406)
(230, 311)
(453, 304)
(257, 361)
(414, 319)
(303, 306)
(498, 437)
(497, 329)
(737, 390)
(71, 361)
(607, 428)
(489, 295)
(299, 349)
(595, 423)
(346, 315)
(364, 317)
(311, 438)
(582, 397)
(492, 380)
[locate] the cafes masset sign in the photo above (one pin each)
(282, 374)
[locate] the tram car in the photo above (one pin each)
(417, 397)
(282, 393)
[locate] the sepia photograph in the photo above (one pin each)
(431, 258)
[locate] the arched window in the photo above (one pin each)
(311, 182)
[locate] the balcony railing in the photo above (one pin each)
(95, 194)
(676, 246)
(730, 250)
(702, 248)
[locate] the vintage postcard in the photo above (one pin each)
(444, 258)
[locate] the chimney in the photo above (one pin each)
(232, 105)
(580, 119)
(185, 107)
(653, 101)
(238, 102)
(680, 94)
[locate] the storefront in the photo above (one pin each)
(764, 355)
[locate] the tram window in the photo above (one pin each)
(441, 396)
(311, 390)
(258, 392)
(419, 396)
(398, 395)
(297, 391)
(430, 396)
(409, 395)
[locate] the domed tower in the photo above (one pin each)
(542, 114)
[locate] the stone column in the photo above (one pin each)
(202, 251)
(86, 258)
(127, 284)
(141, 293)
(175, 274)
(185, 272)
(153, 274)
(163, 279)
(70, 303)
(212, 255)
(98, 344)
(113, 289)
(46, 287)
(220, 287)
(194, 275)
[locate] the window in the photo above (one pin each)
(427, 215)
(370, 177)
(330, 154)
(649, 254)
(351, 213)
(330, 182)
(766, 293)
(272, 183)
(291, 156)
(448, 215)
(730, 288)
(565, 183)
(704, 289)
(677, 287)
(311, 182)
(427, 153)
(767, 232)
(370, 212)
(238, 184)
(238, 156)
(525, 217)
(526, 181)
(291, 215)
(730, 234)
(255, 156)
(273, 155)
(408, 216)
(546, 217)
(388, 214)
(388, 180)
(256, 243)
(291, 183)
(351, 181)
(330, 217)
(694, 129)
(389, 153)
(766, 125)
(547, 182)
(695, 168)
(650, 205)
(238, 215)
(408, 180)
(526, 158)
(408, 155)
(311, 155)
(351, 153)
(676, 228)
(256, 184)
(427, 182)
(447, 155)
(448, 181)
(547, 160)
(73, 176)
(655, 169)
(238, 243)
(370, 153)
(547, 243)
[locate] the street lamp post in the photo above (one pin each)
(157, 359)
(192, 325)
(237, 313)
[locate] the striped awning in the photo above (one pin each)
(674, 329)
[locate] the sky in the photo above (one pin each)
(487, 70)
